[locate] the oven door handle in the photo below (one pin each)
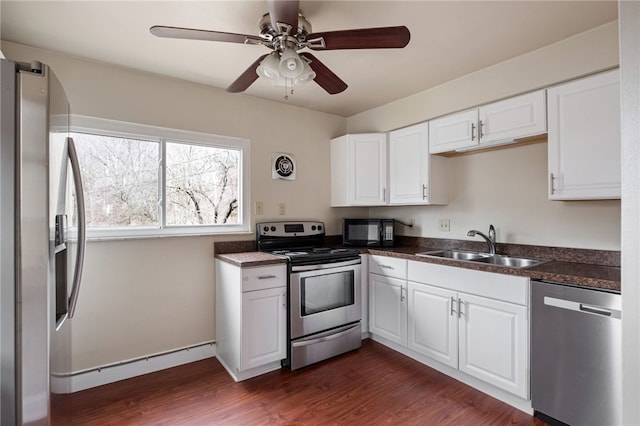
(330, 335)
(303, 268)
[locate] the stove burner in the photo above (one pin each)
(303, 243)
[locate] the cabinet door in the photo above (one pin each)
(433, 323)
(409, 165)
(263, 327)
(584, 138)
(453, 132)
(517, 117)
(388, 309)
(493, 343)
(368, 171)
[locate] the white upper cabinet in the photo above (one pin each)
(414, 176)
(493, 124)
(453, 132)
(584, 138)
(517, 117)
(359, 170)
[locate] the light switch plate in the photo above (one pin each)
(445, 225)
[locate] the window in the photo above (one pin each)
(144, 180)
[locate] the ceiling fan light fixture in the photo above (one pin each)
(268, 68)
(291, 65)
(307, 75)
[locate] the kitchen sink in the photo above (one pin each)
(490, 259)
(511, 262)
(455, 254)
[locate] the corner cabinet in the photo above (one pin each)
(493, 124)
(250, 318)
(359, 170)
(415, 177)
(584, 138)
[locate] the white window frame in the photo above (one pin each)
(121, 129)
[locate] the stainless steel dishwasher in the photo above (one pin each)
(575, 355)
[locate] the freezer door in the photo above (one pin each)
(576, 354)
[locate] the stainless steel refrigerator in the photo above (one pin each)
(37, 296)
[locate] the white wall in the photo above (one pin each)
(629, 12)
(146, 296)
(507, 188)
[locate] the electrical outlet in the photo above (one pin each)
(259, 208)
(445, 225)
(282, 209)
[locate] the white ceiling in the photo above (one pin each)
(448, 39)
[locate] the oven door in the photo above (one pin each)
(324, 296)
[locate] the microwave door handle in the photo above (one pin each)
(77, 272)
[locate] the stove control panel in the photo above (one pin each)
(289, 229)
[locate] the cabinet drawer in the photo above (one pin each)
(262, 277)
(388, 266)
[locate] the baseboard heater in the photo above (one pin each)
(84, 379)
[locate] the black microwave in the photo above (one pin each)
(367, 232)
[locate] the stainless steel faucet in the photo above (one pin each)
(491, 239)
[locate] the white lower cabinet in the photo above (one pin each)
(388, 308)
(433, 329)
(251, 316)
(387, 298)
(264, 321)
(474, 322)
(493, 342)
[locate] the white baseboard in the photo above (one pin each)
(81, 380)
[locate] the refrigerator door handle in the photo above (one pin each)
(77, 271)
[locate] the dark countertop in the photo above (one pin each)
(573, 273)
(253, 258)
(568, 269)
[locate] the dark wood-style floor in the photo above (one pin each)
(371, 386)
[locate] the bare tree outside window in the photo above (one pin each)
(120, 180)
(202, 185)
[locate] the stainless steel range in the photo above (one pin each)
(323, 287)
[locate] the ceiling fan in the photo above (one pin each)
(285, 30)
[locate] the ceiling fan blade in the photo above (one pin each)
(194, 34)
(324, 76)
(364, 38)
(247, 78)
(284, 12)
